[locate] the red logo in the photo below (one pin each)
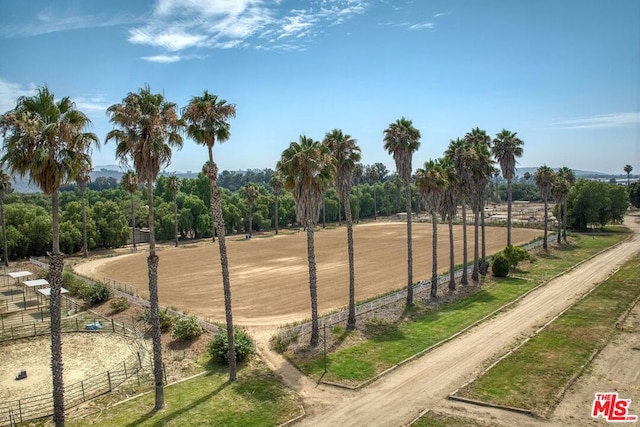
(612, 408)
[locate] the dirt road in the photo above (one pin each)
(424, 383)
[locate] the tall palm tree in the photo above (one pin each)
(148, 127)
(401, 140)
(346, 155)
(543, 178)
(250, 191)
(173, 185)
(5, 186)
(627, 169)
(527, 176)
(459, 154)
(373, 175)
(506, 148)
(207, 120)
(570, 178)
(82, 180)
(560, 193)
(308, 169)
(276, 186)
(448, 211)
(481, 169)
(431, 182)
(47, 140)
(130, 184)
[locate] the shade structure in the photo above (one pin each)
(19, 274)
(36, 283)
(47, 291)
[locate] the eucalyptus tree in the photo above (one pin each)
(276, 187)
(570, 178)
(431, 182)
(82, 180)
(5, 187)
(543, 178)
(373, 175)
(401, 140)
(173, 185)
(346, 154)
(47, 140)
(250, 192)
(459, 154)
(506, 148)
(627, 169)
(207, 120)
(130, 183)
(448, 211)
(147, 128)
(308, 169)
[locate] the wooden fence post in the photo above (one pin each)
(109, 379)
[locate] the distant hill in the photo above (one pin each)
(579, 173)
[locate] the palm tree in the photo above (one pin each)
(543, 178)
(276, 187)
(527, 176)
(207, 120)
(130, 184)
(5, 186)
(373, 175)
(173, 185)
(627, 169)
(560, 193)
(82, 179)
(459, 154)
(481, 169)
(250, 191)
(448, 210)
(401, 140)
(431, 182)
(506, 148)
(308, 169)
(46, 140)
(346, 155)
(148, 127)
(570, 178)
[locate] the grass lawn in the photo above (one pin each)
(357, 363)
(530, 377)
(431, 419)
(257, 398)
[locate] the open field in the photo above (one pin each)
(269, 276)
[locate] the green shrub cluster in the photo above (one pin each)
(119, 304)
(516, 254)
(166, 320)
(186, 328)
(76, 287)
(500, 265)
(97, 293)
(219, 347)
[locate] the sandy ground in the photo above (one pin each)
(399, 397)
(269, 276)
(84, 354)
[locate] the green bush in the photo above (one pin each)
(219, 346)
(97, 293)
(119, 304)
(186, 328)
(500, 265)
(76, 287)
(515, 254)
(166, 320)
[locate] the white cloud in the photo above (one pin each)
(164, 59)
(611, 120)
(91, 104)
(10, 92)
(421, 26)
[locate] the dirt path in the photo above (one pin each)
(399, 397)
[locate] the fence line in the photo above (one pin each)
(342, 315)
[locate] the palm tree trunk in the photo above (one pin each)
(476, 257)
(226, 282)
(154, 304)
(559, 237)
(313, 285)
(409, 245)
(211, 201)
(452, 265)
(351, 320)
(464, 279)
(56, 265)
(133, 225)
(85, 249)
(277, 216)
(5, 249)
(544, 243)
(564, 220)
(434, 256)
(509, 211)
(483, 256)
(175, 220)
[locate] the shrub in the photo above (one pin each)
(500, 266)
(219, 346)
(281, 341)
(76, 287)
(166, 320)
(186, 328)
(515, 254)
(119, 304)
(97, 293)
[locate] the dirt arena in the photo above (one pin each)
(269, 276)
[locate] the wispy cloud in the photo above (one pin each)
(91, 104)
(177, 25)
(10, 92)
(611, 120)
(423, 26)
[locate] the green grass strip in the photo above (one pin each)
(364, 360)
(533, 375)
(257, 398)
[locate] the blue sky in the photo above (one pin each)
(564, 74)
